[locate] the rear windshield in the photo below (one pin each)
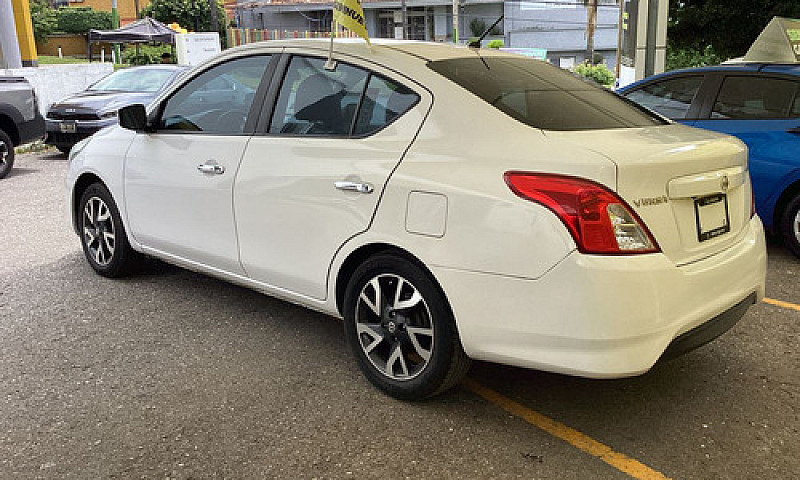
(541, 95)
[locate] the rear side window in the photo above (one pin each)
(541, 95)
(749, 98)
(383, 101)
(671, 98)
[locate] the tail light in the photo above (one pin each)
(599, 221)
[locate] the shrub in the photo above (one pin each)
(147, 55)
(690, 57)
(598, 73)
(496, 43)
(81, 20)
(477, 26)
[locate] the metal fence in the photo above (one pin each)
(241, 36)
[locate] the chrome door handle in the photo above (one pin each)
(211, 167)
(354, 187)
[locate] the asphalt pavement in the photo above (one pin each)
(171, 374)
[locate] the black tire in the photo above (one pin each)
(414, 323)
(103, 238)
(6, 154)
(64, 149)
(790, 225)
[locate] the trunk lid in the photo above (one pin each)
(691, 187)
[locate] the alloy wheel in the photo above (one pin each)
(796, 226)
(3, 153)
(394, 327)
(99, 233)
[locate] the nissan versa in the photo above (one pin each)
(448, 203)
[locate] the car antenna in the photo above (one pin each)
(477, 43)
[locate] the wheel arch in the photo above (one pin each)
(786, 196)
(81, 184)
(8, 125)
(361, 254)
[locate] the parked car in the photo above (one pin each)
(20, 120)
(448, 203)
(757, 102)
(78, 116)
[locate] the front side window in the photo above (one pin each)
(671, 98)
(541, 95)
(749, 98)
(218, 100)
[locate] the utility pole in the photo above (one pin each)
(212, 5)
(114, 25)
(405, 19)
(455, 21)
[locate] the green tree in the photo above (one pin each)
(193, 15)
(43, 19)
(728, 26)
(81, 20)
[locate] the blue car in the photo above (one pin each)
(757, 102)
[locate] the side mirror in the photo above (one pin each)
(133, 117)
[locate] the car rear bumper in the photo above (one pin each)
(606, 316)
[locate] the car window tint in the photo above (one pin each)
(754, 97)
(384, 100)
(315, 101)
(795, 112)
(134, 80)
(218, 100)
(671, 98)
(541, 95)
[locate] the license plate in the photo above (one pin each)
(67, 127)
(711, 213)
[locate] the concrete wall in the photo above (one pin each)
(54, 82)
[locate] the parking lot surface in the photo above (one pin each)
(171, 374)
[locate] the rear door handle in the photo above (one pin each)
(795, 130)
(211, 166)
(354, 186)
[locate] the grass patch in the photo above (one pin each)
(53, 60)
(35, 147)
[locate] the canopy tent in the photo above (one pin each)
(142, 31)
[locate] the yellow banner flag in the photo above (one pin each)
(348, 13)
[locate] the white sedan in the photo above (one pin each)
(448, 203)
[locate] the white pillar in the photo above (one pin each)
(9, 44)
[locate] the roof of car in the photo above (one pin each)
(357, 46)
(785, 68)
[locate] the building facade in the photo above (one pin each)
(558, 26)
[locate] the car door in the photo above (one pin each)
(675, 97)
(764, 112)
(313, 178)
(179, 178)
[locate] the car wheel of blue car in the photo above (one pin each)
(790, 225)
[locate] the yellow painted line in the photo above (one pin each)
(779, 303)
(575, 438)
